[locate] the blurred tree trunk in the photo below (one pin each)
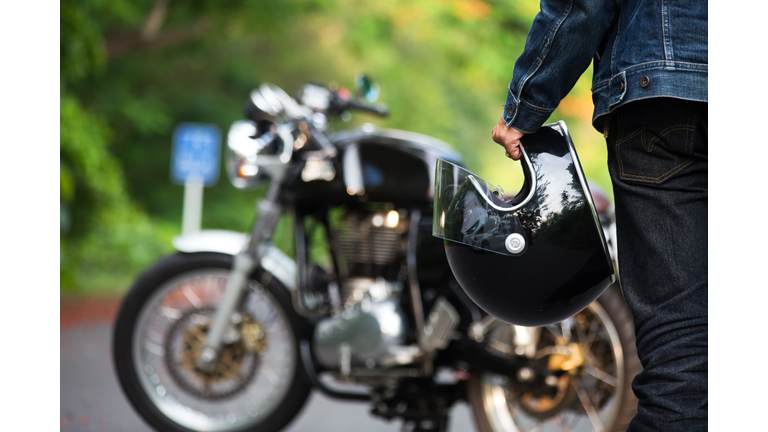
(149, 36)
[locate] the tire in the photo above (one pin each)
(497, 407)
(159, 327)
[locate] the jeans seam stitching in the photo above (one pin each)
(670, 129)
(660, 178)
(664, 176)
(627, 138)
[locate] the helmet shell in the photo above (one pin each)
(564, 264)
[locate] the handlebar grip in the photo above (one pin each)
(377, 110)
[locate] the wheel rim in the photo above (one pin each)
(595, 387)
(254, 396)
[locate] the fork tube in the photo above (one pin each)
(269, 211)
(244, 264)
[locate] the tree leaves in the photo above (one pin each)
(443, 67)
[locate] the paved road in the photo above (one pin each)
(92, 401)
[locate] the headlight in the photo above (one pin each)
(242, 154)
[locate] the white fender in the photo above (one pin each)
(231, 243)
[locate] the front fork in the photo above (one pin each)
(244, 264)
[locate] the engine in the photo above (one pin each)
(370, 330)
(373, 244)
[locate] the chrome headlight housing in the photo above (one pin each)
(243, 151)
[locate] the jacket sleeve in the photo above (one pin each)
(563, 38)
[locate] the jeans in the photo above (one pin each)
(657, 158)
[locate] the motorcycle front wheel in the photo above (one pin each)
(258, 382)
(583, 380)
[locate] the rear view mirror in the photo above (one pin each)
(367, 88)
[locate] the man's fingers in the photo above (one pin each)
(500, 132)
(513, 151)
(509, 138)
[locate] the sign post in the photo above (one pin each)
(195, 164)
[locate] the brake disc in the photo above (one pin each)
(234, 369)
(548, 398)
(567, 362)
(546, 404)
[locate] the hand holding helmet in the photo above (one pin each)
(509, 138)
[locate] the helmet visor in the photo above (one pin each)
(472, 211)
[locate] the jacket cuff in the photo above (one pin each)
(523, 116)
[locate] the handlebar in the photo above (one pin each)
(376, 110)
(339, 105)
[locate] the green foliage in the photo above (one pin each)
(104, 234)
(105, 239)
(82, 50)
(443, 67)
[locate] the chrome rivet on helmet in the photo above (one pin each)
(515, 243)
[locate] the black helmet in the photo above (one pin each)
(533, 259)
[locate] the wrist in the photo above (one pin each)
(522, 116)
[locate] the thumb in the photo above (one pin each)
(513, 149)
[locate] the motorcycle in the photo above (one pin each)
(231, 333)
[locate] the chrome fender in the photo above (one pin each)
(227, 242)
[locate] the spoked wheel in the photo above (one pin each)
(579, 380)
(257, 382)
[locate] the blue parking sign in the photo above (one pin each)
(195, 153)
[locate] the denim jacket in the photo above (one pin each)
(640, 49)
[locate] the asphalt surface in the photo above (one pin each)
(91, 399)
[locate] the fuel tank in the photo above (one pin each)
(376, 165)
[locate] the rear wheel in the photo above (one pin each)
(258, 382)
(580, 379)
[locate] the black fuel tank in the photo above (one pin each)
(394, 166)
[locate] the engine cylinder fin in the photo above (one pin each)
(368, 250)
